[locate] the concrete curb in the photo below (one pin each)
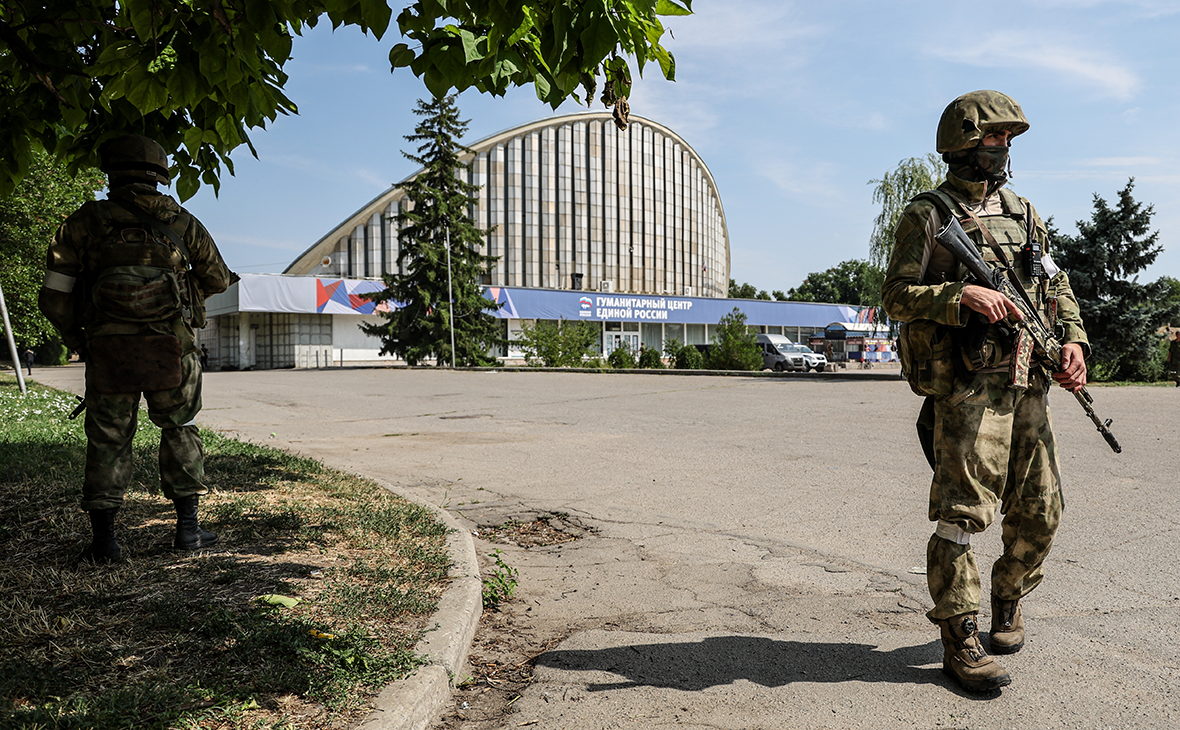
(414, 703)
(878, 373)
(888, 371)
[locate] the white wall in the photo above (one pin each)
(350, 343)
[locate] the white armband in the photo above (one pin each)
(954, 533)
(59, 282)
(1050, 268)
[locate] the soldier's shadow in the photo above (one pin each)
(721, 660)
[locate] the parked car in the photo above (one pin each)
(778, 353)
(812, 360)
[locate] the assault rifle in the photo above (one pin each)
(1046, 348)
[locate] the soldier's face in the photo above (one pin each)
(997, 139)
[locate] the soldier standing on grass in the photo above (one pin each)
(986, 416)
(126, 284)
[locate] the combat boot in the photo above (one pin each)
(189, 534)
(1007, 634)
(103, 549)
(964, 659)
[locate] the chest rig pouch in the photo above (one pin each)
(933, 355)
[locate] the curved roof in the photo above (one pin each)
(327, 243)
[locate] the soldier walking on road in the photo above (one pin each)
(126, 284)
(986, 417)
(1174, 357)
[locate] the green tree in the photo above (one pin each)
(28, 219)
(1121, 315)
(1173, 295)
(893, 193)
(420, 319)
(198, 76)
(746, 291)
(621, 358)
(682, 356)
(649, 358)
(849, 282)
(735, 347)
(558, 344)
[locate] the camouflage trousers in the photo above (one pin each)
(994, 448)
(110, 426)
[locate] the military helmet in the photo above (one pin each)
(972, 116)
(136, 156)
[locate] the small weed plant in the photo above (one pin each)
(500, 584)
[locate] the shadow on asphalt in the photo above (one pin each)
(771, 663)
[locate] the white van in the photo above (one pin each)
(778, 353)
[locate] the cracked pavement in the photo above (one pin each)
(756, 545)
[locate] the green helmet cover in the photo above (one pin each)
(135, 156)
(968, 119)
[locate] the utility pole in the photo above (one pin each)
(450, 299)
(20, 376)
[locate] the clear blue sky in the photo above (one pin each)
(794, 106)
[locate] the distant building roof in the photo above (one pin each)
(867, 329)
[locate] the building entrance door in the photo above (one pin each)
(617, 339)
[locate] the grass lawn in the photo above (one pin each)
(174, 640)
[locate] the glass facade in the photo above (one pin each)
(630, 210)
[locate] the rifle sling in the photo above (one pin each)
(999, 251)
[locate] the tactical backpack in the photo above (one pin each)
(138, 282)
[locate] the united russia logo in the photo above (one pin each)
(585, 307)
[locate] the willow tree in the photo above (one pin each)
(893, 193)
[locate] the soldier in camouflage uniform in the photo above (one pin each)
(126, 283)
(1173, 359)
(992, 443)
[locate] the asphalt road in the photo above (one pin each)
(758, 543)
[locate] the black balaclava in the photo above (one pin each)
(981, 164)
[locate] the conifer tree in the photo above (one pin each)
(420, 317)
(1121, 315)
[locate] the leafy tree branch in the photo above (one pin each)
(199, 76)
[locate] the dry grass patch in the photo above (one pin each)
(168, 640)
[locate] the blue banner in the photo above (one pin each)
(309, 295)
(599, 307)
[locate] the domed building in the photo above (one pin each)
(572, 202)
(620, 227)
